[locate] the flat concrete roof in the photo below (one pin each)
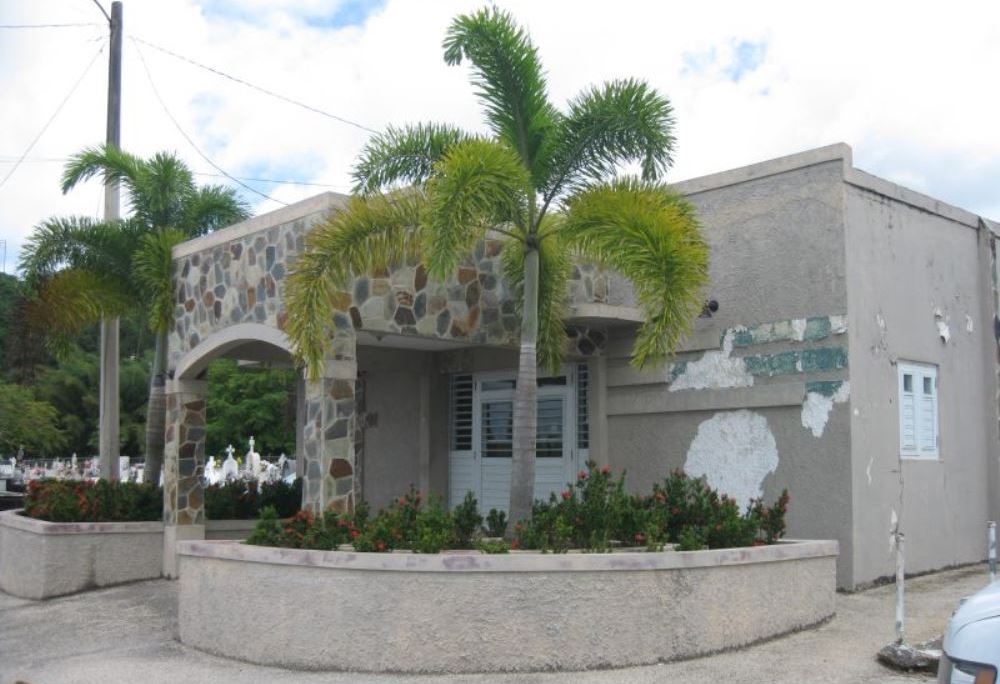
(843, 153)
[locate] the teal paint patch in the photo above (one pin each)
(742, 337)
(677, 369)
(804, 361)
(770, 365)
(827, 388)
(824, 359)
(817, 328)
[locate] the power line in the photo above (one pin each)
(8, 159)
(62, 104)
(46, 26)
(187, 137)
(235, 79)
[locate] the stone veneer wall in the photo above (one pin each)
(242, 281)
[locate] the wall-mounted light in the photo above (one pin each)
(710, 307)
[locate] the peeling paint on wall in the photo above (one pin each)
(793, 330)
(819, 401)
(798, 361)
(735, 451)
(969, 326)
(942, 326)
(714, 370)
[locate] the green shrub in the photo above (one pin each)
(496, 523)
(467, 521)
(244, 500)
(492, 546)
(101, 501)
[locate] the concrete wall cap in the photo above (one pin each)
(820, 155)
(517, 562)
(312, 205)
(15, 520)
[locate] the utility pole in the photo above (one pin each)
(109, 400)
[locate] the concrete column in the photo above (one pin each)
(424, 418)
(183, 467)
(328, 436)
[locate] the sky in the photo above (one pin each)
(911, 86)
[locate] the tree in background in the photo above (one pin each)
(244, 402)
(85, 270)
(546, 182)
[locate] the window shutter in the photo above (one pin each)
(461, 412)
(907, 412)
(927, 416)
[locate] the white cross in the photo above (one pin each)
(251, 444)
(230, 451)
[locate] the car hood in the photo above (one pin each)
(983, 605)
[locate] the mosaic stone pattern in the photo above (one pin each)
(243, 282)
(328, 445)
(184, 459)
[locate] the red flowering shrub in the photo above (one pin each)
(101, 501)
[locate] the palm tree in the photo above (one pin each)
(111, 268)
(545, 182)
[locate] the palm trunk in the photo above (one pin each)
(522, 471)
(156, 410)
(108, 416)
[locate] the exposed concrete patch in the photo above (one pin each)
(942, 326)
(735, 451)
(969, 325)
(819, 401)
(714, 370)
(793, 330)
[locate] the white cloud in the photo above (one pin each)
(910, 89)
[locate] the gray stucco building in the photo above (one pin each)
(853, 360)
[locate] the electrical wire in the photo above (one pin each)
(253, 86)
(46, 26)
(48, 123)
(8, 159)
(187, 137)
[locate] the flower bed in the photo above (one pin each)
(244, 499)
(528, 611)
(594, 514)
(85, 501)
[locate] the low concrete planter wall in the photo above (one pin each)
(40, 559)
(494, 613)
(229, 529)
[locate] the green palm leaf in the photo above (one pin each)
(152, 270)
(403, 156)
(509, 80)
(370, 234)
(650, 235)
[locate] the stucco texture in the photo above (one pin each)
(40, 560)
(338, 611)
(906, 264)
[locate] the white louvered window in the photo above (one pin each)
(461, 412)
(918, 410)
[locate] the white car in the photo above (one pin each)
(972, 642)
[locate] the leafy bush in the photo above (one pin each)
(496, 523)
(594, 513)
(244, 500)
(101, 501)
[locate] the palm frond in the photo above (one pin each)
(650, 235)
(152, 271)
(555, 264)
(371, 233)
(161, 189)
(109, 161)
(510, 81)
(209, 208)
(82, 243)
(71, 300)
(403, 156)
(479, 185)
(620, 121)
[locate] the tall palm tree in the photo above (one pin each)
(547, 183)
(111, 268)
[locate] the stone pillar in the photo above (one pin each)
(184, 467)
(328, 435)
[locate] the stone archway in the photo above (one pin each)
(326, 428)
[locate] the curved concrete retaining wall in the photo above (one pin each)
(40, 559)
(494, 613)
(229, 529)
